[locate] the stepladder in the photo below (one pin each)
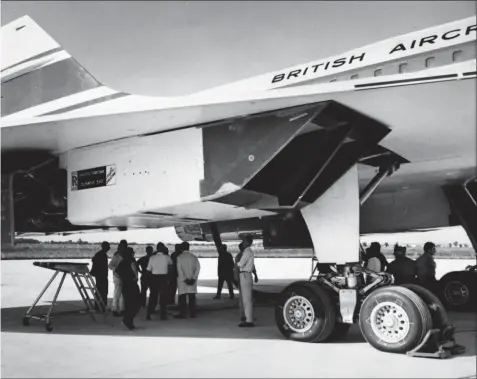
(85, 285)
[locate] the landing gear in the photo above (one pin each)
(305, 312)
(396, 319)
(341, 292)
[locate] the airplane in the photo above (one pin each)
(379, 139)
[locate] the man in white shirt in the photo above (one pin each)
(246, 266)
(159, 266)
(188, 269)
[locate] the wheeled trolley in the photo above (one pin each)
(84, 283)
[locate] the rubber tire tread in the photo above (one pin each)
(439, 316)
(423, 309)
(419, 308)
(328, 307)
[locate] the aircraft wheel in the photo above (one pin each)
(339, 332)
(435, 306)
(394, 319)
(48, 327)
(26, 321)
(305, 312)
(457, 290)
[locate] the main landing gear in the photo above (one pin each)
(396, 319)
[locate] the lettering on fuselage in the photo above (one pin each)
(93, 178)
(324, 66)
(448, 35)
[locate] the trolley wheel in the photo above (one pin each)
(25, 321)
(48, 327)
(394, 319)
(305, 313)
(339, 332)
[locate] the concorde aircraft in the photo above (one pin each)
(379, 139)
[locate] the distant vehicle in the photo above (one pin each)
(457, 289)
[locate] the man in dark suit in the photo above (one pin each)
(99, 271)
(225, 271)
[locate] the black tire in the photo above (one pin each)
(435, 306)
(25, 321)
(339, 332)
(403, 309)
(454, 282)
(309, 300)
(48, 327)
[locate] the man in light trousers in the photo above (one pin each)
(246, 266)
(118, 299)
(238, 257)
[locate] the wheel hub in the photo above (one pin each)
(390, 322)
(456, 293)
(298, 313)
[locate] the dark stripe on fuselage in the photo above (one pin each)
(52, 82)
(403, 81)
(86, 103)
(470, 73)
(159, 214)
(38, 56)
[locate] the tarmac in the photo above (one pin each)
(211, 345)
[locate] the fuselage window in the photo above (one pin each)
(457, 56)
(430, 62)
(402, 68)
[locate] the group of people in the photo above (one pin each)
(421, 271)
(162, 275)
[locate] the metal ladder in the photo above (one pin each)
(94, 302)
(84, 283)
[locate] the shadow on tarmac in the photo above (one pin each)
(215, 319)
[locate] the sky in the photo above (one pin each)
(169, 48)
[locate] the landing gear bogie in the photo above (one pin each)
(396, 319)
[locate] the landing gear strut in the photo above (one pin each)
(398, 319)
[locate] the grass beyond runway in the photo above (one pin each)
(87, 250)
